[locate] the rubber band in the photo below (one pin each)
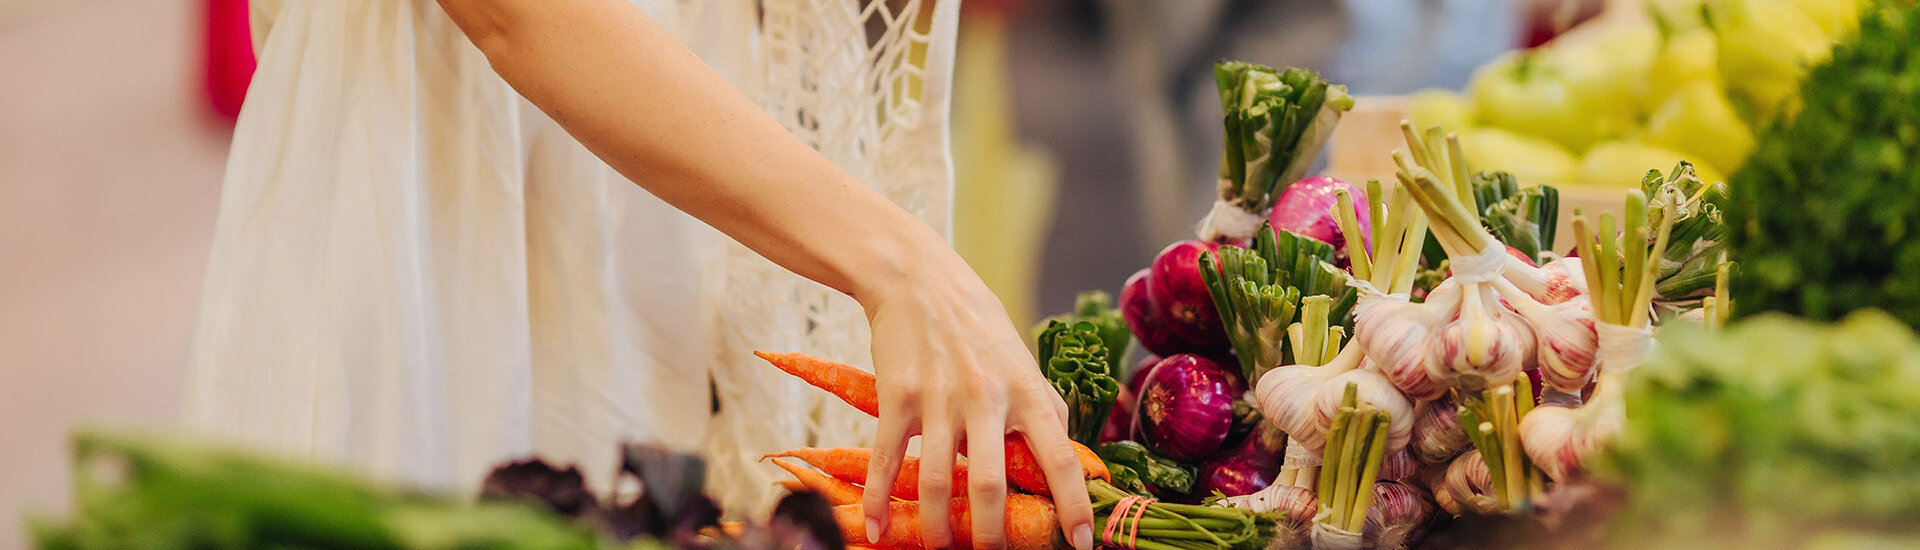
(1482, 267)
(1230, 221)
(1128, 511)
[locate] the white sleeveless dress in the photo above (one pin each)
(416, 274)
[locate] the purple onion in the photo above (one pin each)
(1180, 298)
(1186, 407)
(1242, 469)
(1306, 208)
(1144, 319)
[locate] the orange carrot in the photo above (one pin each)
(1031, 524)
(849, 464)
(836, 492)
(850, 384)
(856, 387)
(791, 485)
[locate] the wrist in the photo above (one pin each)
(898, 262)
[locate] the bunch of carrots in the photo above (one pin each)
(1031, 521)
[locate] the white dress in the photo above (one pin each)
(416, 274)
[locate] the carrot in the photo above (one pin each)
(856, 387)
(791, 485)
(1031, 524)
(836, 492)
(1024, 471)
(850, 384)
(849, 464)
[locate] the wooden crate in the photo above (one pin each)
(1362, 147)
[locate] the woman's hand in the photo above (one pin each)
(953, 369)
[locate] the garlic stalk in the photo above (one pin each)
(1355, 447)
(1492, 420)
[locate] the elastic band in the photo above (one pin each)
(1128, 511)
(1622, 348)
(1230, 221)
(1482, 267)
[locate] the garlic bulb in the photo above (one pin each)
(1287, 396)
(1485, 346)
(1399, 515)
(1565, 343)
(1376, 390)
(1469, 485)
(1398, 466)
(1437, 435)
(1394, 335)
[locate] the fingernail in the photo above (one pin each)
(1083, 537)
(873, 531)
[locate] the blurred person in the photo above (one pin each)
(413, 273)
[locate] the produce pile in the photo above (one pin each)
(1691, 79)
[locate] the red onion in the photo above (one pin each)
(1186, 407)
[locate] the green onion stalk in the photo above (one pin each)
(1696, 249)
(1075, 363)
(1096, 307)
(1356, 445)
(1275, 123)
(1168, 526)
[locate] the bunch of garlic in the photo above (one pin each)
(1620, 289)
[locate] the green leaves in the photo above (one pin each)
(1075, 362)
(1824, 213)
(1275, 123)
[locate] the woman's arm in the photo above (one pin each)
(950, 362)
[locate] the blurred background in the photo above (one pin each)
(1085, 135)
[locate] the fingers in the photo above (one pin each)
(986, 474)
(1048, 439)
(889, 445)
(936, 479)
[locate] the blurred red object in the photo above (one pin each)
(1003, 9)
(230, 62)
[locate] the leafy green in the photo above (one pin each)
(1075, 363)
(1275, 123)
(1096, 307)
(1825, 213)
(1769, 433)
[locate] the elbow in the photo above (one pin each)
(490, 25)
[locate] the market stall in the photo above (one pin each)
(1535, 315)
